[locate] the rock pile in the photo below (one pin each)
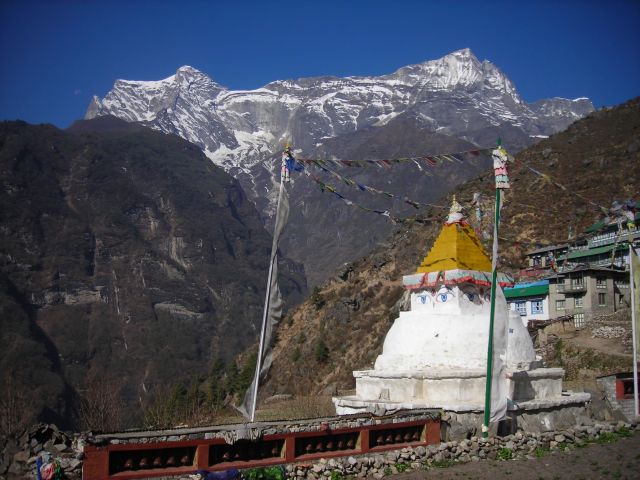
(19, 454)
(608, 332)
(519, 445)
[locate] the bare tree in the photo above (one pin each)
(100, 406)
(16, 408)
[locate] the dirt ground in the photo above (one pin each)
(583, 338)
(618, 460)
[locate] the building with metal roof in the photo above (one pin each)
(530, 300)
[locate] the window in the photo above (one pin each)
(602, 299)
(537, 261)
(577, 302)
(627, 386)
(578, 320)
(577, 282)
(601, 282)
(536, 306)
(559, 304)
(521, 308)
(624, 388)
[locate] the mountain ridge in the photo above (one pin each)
(315, 96)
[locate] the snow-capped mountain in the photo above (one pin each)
(456, 97)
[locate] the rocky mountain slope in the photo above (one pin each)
(128, 258)
(342, 325)
(453, 101)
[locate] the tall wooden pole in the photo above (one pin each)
(634, 323)
(494, 276)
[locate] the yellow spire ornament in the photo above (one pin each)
(457, 246)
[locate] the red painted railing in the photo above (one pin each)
(155, 459)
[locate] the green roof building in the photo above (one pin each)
(530, 300)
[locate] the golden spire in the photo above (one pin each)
(457, 247)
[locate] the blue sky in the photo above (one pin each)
(57, 54)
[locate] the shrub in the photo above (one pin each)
(443, 463)
(264, 473)
(540, 452)
(322, 351)
(624, 432)
(505, 454)
(316, 299)
(607, 437)
(295, 355)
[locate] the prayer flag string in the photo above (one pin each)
(325, 187)
(366, 188)
(549, 180)
(291, 163)
(428, 159)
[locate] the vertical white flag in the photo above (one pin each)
(634, 277)
(273, 311)
(498, 374)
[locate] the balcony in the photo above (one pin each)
(569, 289)
(610, 237)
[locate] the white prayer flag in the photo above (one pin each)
(273, 312)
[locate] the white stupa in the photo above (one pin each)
(435, 355)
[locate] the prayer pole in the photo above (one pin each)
(500, 159)
(633, 277)
(494, 276)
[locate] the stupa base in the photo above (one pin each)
(463, 421)
(536, 399)
(349, 405)
(440, 387)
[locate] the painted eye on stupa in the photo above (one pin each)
(444, 295)
(423, 299)
(471, 294)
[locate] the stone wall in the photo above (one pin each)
(459, 426)
(474, 449)
(625, 406)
